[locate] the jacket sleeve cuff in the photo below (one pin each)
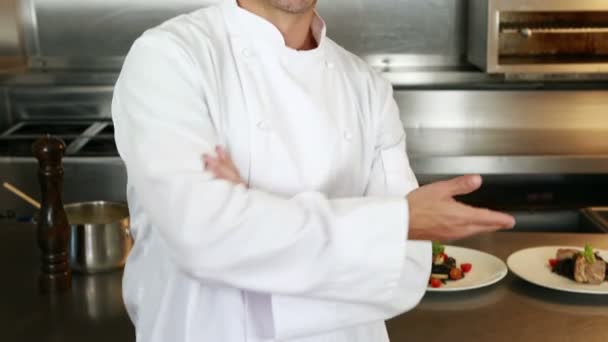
(400, 280)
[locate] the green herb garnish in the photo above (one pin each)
(588, 254)
(438, 248)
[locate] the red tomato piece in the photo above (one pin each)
(455, 273)
(435, 282)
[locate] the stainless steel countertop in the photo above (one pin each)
(511, 310)
(92, 311)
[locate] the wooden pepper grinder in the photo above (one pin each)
(53, 228)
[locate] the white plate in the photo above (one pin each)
(487, 270)
(532, 264)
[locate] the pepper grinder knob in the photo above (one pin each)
(53, 228)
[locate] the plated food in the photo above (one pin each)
(445, 268)
(564, 268)
(583, 266)
(460, 269)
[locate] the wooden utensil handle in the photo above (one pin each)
(21, 194)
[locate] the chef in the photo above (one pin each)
(271, 197)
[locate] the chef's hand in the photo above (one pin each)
(222, 166)
(436, 215)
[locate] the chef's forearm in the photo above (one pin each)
(348, 249)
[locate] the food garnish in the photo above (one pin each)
(588, 254)
(438, 248)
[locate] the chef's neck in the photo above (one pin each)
(295, 27)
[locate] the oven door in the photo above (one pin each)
(547, 203)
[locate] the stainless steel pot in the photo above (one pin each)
(100, 239)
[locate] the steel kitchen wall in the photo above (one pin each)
(422, 31)
(9, 34)
(5, 117)
(11, 48)
(95, 33)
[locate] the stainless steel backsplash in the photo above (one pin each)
(75, 49)
(504, 109)
(97, 34)
(5, 118)
(9, 29)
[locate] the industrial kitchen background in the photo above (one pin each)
(515, 90)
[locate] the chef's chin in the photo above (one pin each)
(293, 6)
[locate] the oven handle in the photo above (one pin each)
(529, 32)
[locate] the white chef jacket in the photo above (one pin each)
(315, 249)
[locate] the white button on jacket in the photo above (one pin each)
(315, 250)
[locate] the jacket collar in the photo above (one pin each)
(244, 24)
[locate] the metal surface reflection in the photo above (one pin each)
(99, 296)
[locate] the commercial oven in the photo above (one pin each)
(539, 36)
